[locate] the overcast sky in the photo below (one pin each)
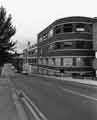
(32, 16)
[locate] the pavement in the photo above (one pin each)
(77, 80)
(10, 106)
(7, 109)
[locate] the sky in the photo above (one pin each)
(31, 16)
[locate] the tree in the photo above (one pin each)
(7, 30)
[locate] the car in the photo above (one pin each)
(12, 67)
(24, 72)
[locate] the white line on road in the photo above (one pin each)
(80, 94)
(31, 110)
(35, 112)
(21, 113)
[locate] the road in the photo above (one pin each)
(59, 100)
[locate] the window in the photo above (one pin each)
(63, 45)
(57, 45)
(40, 51)
(67, 62)
(40, 61)
(50, 34)
(58, 29)
(80, 27)
(50, 61)
(54, 61)
(88, 61)
(79, 44)
(44, 61)
(45, 36)
(88, 44)
(51, 46)
(67, 27)
(84, 44)
(29, 61)
(68, 44)
(36, 50)
(58, 61)
(83, 62)
(79, 62)
(40, 39)
(33, 61)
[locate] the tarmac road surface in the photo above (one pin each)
(59, 100)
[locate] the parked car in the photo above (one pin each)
(24, 72)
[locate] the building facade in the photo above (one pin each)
(18, 62)
(30, 59)
(66, 47)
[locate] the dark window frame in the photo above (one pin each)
(84, 44)
(58, 29)
(67, 28)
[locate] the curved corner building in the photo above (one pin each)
(66, 46)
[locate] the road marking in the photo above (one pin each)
(21, 113)
(31, 110)
(80, 94)
(38, 115)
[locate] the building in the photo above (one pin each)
(30, 59)
(18, 62)
(66, 47)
